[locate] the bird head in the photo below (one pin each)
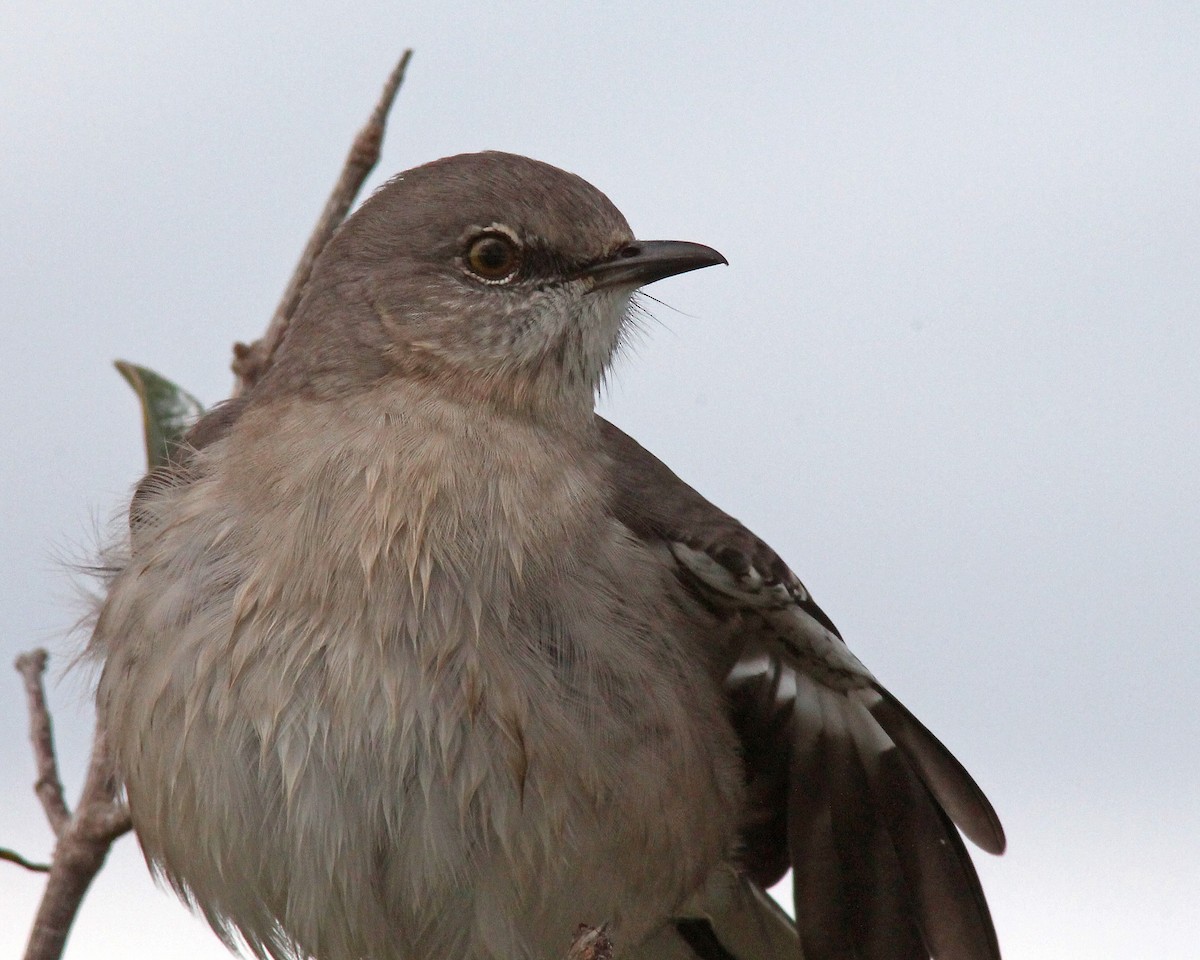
(488, 273)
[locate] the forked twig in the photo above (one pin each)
(84, 838)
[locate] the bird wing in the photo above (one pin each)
(847, 788)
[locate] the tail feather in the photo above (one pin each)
(950, 906)
(946, 778)
(887, 911)
(816, 864)
(851, 893)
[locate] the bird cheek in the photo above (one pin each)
(604, 312)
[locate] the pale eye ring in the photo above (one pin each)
(493, 257)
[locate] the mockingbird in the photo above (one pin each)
(415, 657)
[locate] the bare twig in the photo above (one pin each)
(48, 786)
(100, 817)
(250, 361)
(13, 857)
(79, 854)
(83, 838)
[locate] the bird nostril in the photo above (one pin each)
(630, 250)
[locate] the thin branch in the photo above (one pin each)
(13, 857)
(251, 361)
(80, 853)
(100, 817)
(48, 786)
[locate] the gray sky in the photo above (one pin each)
(951, 372)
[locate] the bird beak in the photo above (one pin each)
(644, 261)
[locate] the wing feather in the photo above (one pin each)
(867, 801)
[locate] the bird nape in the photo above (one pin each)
(411, 655)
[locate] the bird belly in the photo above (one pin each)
(365, 706)
(432, 778)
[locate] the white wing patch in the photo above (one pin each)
(789, 631)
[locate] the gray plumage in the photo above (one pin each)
(413, 656)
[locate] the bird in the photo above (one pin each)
(409, 654)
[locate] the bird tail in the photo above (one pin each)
(873, 803)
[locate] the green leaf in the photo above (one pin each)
(167, 410)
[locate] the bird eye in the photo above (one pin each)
(493, 257)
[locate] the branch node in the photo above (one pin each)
(101, 817)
